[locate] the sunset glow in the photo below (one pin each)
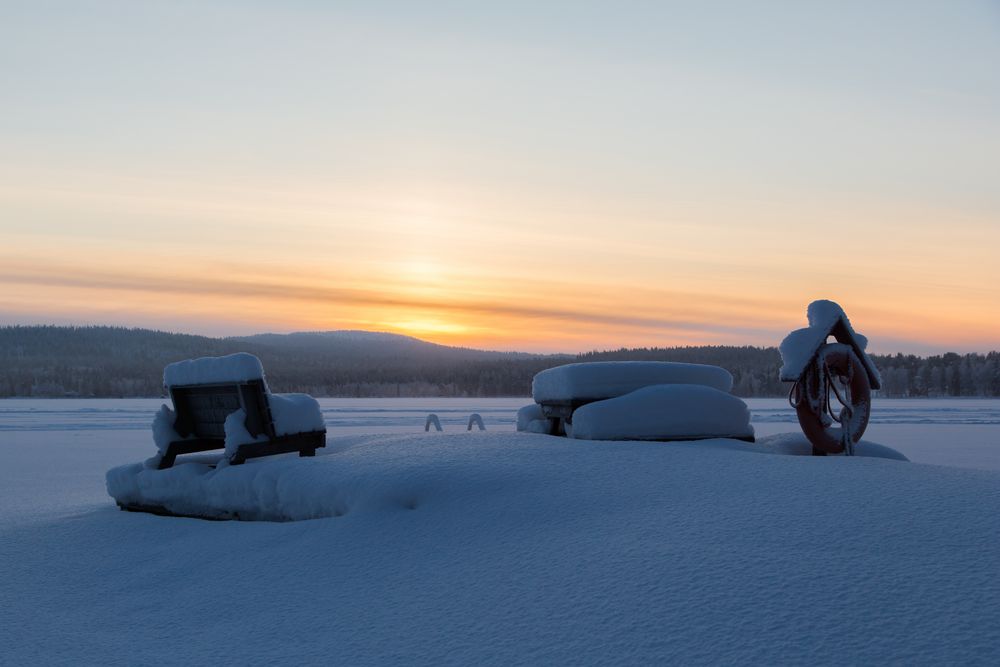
(394, 172)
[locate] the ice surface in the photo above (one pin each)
(239, 367)
(664, 412)
(607, 379)
(505, 548)
(800, 346)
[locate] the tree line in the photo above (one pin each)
(51, 361)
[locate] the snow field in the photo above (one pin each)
(491, 548)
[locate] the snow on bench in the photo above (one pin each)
(239, 367)
(224, 403)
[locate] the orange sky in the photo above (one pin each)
(613, 183)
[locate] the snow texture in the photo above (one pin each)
(501, 548)
(295, 413)
(239, 367)
(664, 412)
(796, 444)
(287, 488)
(800, 346)
(607, 379)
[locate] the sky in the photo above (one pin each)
(559, 176)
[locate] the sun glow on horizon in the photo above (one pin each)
(487, 182)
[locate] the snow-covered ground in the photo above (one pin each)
(952, 432)
(506, 548)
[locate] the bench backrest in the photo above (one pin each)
(202, 409)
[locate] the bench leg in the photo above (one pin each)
(168, 458)
(307, 452)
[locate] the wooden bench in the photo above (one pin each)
(202, 410)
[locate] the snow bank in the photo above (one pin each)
(608, 379)
(664, 412)
(239, 367)
(800, 346)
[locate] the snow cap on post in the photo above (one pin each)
(826, 318)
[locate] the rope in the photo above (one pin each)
(846, 412)
(794, 391)
(822, 403)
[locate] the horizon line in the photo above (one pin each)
(454, 347)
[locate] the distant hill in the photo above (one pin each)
(116, 361)
(373, 344)
(123, 362)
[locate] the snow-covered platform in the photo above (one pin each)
(594, 381)
(636, 400)
(369, 472)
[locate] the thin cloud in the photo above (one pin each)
(65, 277)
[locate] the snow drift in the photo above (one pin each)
(285, 488)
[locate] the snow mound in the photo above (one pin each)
(664, 412)
(800, 346)
(239, 367)
(360, 474)
(531, 420)
(295, 413)
(796, 444)
(608, 379)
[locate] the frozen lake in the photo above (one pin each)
(955, 432)
(506, 548)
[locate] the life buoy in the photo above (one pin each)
(835, 365)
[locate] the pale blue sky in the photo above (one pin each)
(731, 136)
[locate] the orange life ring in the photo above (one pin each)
(811, 398)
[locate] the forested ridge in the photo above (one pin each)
(122, 362)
